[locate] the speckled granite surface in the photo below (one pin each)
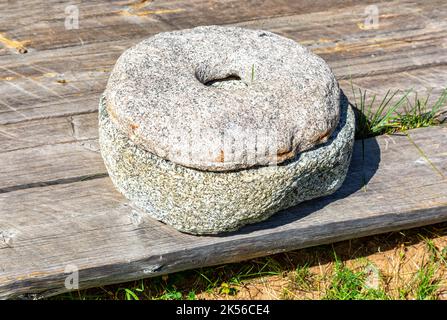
(204, 202)
(167, 94)
(212, 128)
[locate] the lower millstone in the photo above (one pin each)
(205, 202)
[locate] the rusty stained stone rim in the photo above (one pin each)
(304, 112)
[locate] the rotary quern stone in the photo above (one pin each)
(212, 128)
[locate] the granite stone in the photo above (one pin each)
(213, 128)
(177, 94)
(206, 202)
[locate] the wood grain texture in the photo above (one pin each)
(42, 132)
(62, 75)
(91, 226)
(42, 25)
(49, 151)
(59, 208)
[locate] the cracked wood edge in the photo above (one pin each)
(94, 228)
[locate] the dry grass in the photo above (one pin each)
(409, 264)
(399, 265)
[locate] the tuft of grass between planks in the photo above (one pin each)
(395, 112)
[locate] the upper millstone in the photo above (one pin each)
(223, 98)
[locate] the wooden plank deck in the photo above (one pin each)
(59, 208)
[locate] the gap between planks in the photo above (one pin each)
(94, 228)
(407, 51)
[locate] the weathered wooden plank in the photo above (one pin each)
(62, 149)
(48, 151)
(50, 164)
(42, 25)
(409, 36)
(427, 81)
(53, 83)
(47, 131)
(431, 152)
(405, 50)
(93, 228)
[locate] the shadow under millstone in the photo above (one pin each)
(364, 164)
